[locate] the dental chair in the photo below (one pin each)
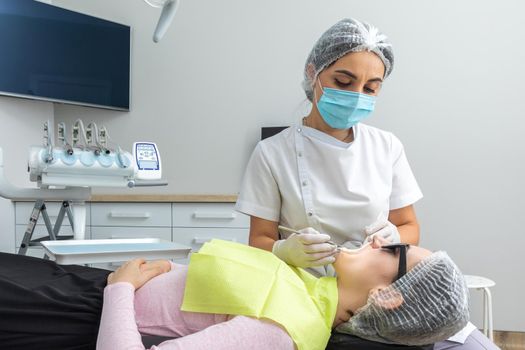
(341, 341)
(338, 341)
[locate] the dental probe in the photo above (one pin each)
(339, 247)
(291, 230)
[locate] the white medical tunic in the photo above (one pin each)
(303, 177)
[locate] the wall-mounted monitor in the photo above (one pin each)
(49, 53)
(268, 131)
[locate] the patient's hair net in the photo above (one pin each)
(434, 307)
(347, 35)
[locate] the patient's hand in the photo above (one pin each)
(165, 265)
(138, 272)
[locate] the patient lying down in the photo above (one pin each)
(212, 305)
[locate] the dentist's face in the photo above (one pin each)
(356, 71)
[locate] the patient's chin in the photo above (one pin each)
(341, 264)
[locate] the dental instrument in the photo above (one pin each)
(340, 248)
(67, 170)
(291, 230)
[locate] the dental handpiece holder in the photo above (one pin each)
(81, 168)
(91, 159)
(65, 169)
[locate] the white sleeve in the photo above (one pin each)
(259, 195)
(405, 190)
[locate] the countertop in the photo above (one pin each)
(157, 198)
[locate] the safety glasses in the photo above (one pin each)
(402, 248)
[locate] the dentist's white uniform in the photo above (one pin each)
(303, 177)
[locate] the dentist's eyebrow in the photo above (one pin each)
(352, 75)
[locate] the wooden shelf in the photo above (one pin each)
(175, 198)
(155, 198)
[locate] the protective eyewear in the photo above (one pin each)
(402, 248)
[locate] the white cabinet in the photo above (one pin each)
(197, 223)
(131, 214)
(191, 224)
(106, 232)
(196, 237)
(130, 220)
(208, 215)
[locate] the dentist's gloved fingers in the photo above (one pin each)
(369, 238)
(385, 233)
(376, 226)
(388, 233)
(319, 248)
(319, 256)
(309, 230)
(323, 261)
(313, 238)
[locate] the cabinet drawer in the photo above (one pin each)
(23, 211)
(131, 232)
(127, 232)
(196, 237)
(131, 214)
(41, 231)
(208, 215)
(36, 252)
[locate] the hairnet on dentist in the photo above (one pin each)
(434, 306)
(347, 35)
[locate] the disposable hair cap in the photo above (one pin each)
(434, 306)
(347, 35)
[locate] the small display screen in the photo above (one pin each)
(148, 165)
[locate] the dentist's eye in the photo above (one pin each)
(342, 83)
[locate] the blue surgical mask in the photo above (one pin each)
(343, 109)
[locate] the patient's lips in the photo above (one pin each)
(354, 251)
(376, 242)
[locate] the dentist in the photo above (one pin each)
(332, 177)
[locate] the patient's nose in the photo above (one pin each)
(378, 242)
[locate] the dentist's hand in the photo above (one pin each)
(310, 248)
(383, 228)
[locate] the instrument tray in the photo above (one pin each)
(111, 250)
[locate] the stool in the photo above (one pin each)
(482, 283)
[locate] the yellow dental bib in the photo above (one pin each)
(232, 278)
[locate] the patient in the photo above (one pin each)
(44, 305)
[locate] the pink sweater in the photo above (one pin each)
(154, 309)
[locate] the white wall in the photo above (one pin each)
(226, 68)
(21, 126)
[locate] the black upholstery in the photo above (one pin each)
(150, 340)
(338, 341)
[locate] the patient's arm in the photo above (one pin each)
(118, 329)
(118, 326)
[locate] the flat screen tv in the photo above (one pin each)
(49, 53)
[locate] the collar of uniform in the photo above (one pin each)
(324, 137)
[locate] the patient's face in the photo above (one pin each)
(373, 267)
